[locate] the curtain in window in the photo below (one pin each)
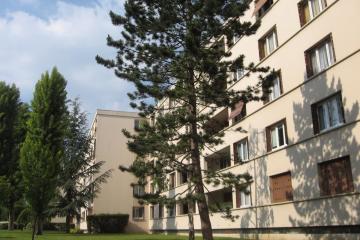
(271, 42)
(281, 135)
(274, 142)
(315, 7)
(323, 57)
(314, 63)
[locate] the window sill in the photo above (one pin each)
(330, 128)
(278, 148)
(138, 219)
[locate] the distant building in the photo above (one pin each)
(110, 146)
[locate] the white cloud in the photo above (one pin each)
(69, 39)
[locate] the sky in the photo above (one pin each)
(36, 35)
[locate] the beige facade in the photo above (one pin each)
(110, 146)
(313, 138)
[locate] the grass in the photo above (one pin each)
(25, 235)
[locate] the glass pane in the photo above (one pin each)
(315, 7)
(330, 53)
(276, 88)
(314, 63)
(323, 57)
(281, 135)
(239, 152)
(271, 42)
(274, 142)
(246, 154)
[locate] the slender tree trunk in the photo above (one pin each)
(67, 224)
(39, 226)
(206, 228)
(34, 228)
(11, 218)
(191, 212)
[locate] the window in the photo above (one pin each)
(171, 211)
(281, 188)
(183, 208)
(243, 197)
(275, 89)
(328, 113)
(138, 124)
(224, 163)
(308, 9)
(172, 181)
(261, 7)
(241, 151)
(138, 212)
(183, 177)
(335, 177)
(161, 211)
(152, 212)
(268, 43)
(238, 112)
(238, 74)
(276, 135)
(320, 57)
(171, 103)
(234, 39)
(138, 190)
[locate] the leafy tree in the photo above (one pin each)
(43, 148)
(80, 177)
(13, 116)
(174, 50)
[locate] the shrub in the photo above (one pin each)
(76, 230)
(107, 223)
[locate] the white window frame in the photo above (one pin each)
(171, 210)
(241, 146)
(320, 4)
(267, 42)
(138, 190)
(239, 73)
(245, 194)
(136, 213)
(272, 94)
(326, 104)
(276, 129)
(329, 57)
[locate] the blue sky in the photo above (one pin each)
(39, 34)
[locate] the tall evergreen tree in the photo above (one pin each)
(13, 115)
(174, 50)
(43, 148)
(80, 177)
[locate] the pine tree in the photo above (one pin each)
(13, 115)
(174, 50)
(44, 144)
(76, 166)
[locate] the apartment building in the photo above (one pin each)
(110, 146)
(301, 145)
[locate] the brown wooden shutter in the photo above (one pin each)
(281, 187)
(238, 198)
(309, 69)
(348, 172)
(268, 139)
(315, 119)
(261, 49)
(236, 160)
(301, 13)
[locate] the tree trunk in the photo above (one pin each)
(206, 228)
(11, 218)
(39, 230)
(67, 224)
(34, 228)
(191, 206)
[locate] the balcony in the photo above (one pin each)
(219, 160)
(220, 200)
(217, 123)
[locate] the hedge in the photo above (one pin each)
(107, 223)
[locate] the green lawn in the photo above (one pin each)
(18, 235)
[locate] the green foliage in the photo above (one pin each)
(107, 223)
(43, 148)
(77, 166)
(174, 50)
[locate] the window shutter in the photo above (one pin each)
(301, 13)
(261, 49)
(281, 187)
(348, 172)
(236, 160)
(238, 198)
(315, 118)
(309, 69)
(268, 139)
